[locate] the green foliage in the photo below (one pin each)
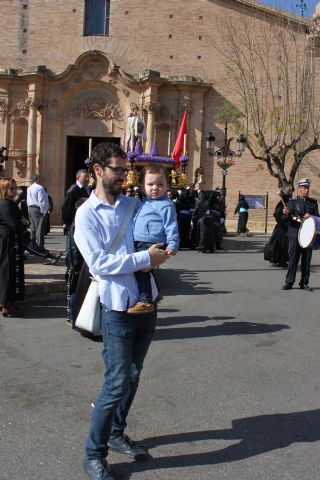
(227, 113)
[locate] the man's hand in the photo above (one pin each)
(157, 255)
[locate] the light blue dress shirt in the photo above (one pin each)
(96, 226)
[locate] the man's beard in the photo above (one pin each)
(112, 188)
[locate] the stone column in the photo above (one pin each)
(151, 120)
(149, 105)
(31, 142)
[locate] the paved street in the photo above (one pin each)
(230, 389)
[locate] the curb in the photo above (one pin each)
(42, 291)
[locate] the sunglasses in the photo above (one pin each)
(118, 170)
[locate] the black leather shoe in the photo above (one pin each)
(287, 286)
(306, 287)
(97, 469)
(124, 444)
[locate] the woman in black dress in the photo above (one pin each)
(11, 249)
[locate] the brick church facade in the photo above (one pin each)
(69, 76)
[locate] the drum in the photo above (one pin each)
(309, 233)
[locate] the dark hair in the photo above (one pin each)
(153, 168)
(37, 177)
(102, 153)
(82, 170)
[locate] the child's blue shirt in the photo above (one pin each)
(156, 222)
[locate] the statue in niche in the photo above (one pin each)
(135, 130)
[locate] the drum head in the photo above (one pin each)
(307, 232)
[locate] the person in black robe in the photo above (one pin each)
(203, 223)
(242, 209)
(276, 250)
(183, 207)
(12, 225)
(74, 262)
(76, 191)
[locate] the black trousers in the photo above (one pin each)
(295, 251)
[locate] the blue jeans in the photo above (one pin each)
(143, 278)
(126, 341)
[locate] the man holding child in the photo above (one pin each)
(126, 339)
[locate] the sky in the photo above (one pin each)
(293, 6)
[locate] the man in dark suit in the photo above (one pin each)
(297, 210)
(76, 191)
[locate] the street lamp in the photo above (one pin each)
(225, 155)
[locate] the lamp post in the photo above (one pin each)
(225, 155)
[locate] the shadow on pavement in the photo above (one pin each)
(244, 245)
(182, 282)
(231, 328)
(45, 310)
(253, 436)
(166, 322)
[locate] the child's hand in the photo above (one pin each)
(170, 252)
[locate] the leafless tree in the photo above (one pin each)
(272, 70)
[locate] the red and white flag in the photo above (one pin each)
(181, 142)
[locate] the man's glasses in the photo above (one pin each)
(118, 170)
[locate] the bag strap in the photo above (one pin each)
(122, 230)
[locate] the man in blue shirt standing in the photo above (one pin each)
(126, 342)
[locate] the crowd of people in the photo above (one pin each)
(24, 222)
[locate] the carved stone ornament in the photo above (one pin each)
(23, 107)
(4, 108)
(95, 106)
(20, 159)
(314, 31)
(150, 107)
(135, 108)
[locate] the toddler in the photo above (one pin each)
(155, 222)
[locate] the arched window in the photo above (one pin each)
(97, 16)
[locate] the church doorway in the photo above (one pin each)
(78, 152)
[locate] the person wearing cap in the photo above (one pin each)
(297, 210)
(38, 207)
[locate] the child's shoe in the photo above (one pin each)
(140, 307)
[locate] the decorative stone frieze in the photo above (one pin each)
(96, 108)
(4, 108)
(95, 105)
